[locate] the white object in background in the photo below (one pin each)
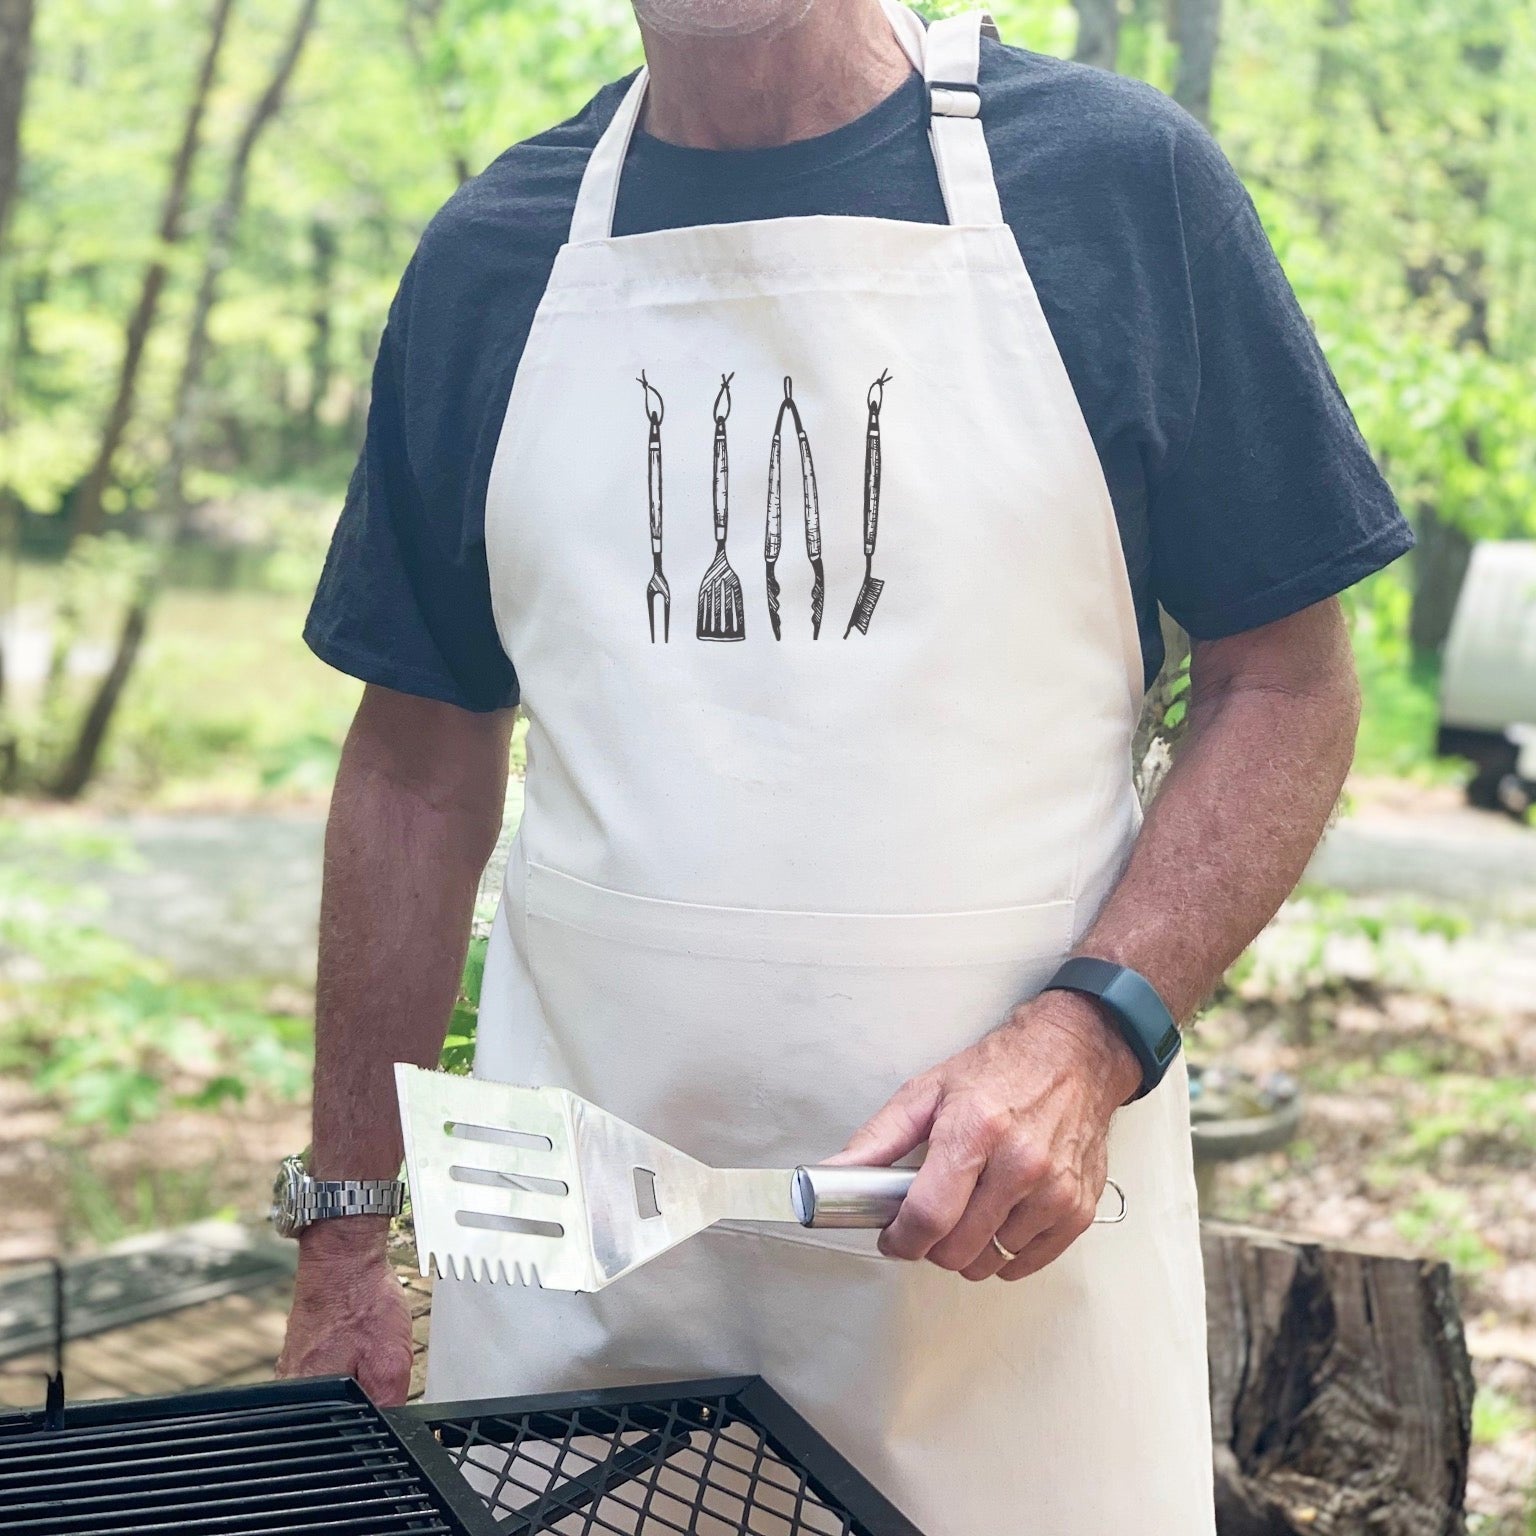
(1488, 681)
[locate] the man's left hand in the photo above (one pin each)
(1016, 1128)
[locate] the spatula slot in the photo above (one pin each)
(645, 1194)
(530, 1182)
(523, 1226)
(497, 1136)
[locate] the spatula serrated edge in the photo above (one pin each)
(403, 1071)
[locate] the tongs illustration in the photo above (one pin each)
(773, 533)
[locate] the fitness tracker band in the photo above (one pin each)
(1141, 1016)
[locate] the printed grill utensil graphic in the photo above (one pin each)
(869, 593)
(542, 1187)
(720, 609)
(657, 586)
(773, 535)
(773, 530)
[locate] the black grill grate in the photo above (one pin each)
(725, 1458)
(253, 1461)
(716, 1458)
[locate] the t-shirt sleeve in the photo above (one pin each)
(404, 598)
(1273, 501)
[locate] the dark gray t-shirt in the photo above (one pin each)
(1241, 485)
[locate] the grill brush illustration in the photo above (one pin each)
(537, 1186)
(720, 609)
(657, 587)
(773, 535)
(869, 593)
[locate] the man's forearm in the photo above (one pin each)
(413, 819)
(1271, 734)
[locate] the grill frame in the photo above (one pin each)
(405, 1455)
(835, 1481)
(414, 1450)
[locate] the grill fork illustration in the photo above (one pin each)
(656, 589)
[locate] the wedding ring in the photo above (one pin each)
(1105, 1221)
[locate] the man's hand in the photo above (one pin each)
(349, 1315)
(1016, 1129)
(414, 817)
(1016, 1125)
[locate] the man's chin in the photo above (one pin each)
(720, 18)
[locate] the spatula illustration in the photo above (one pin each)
(720, 611)
(540, 1187)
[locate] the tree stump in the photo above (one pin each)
(1341, 1389)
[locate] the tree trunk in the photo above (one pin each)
(1098, 33)
(1153, 745)
(1341, 1389)
(86, 512)
(1444, 551)
(322, 240)
(1196, 26)
(1337, 19)
(173, 513)
(15, 66)
(1439, 568)
(419, 21)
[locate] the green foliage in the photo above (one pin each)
(1440, 1221)
(1306, 964)
(1399, 690)
(1496, 1415)
(1388, 154)
(1490, 1118)
(459, 1047)
(228, 703)
(107, 1032)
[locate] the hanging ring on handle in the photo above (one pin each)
(661, 405)
(1008, 1255)
(725, 394)
(871, 400)
(1109, 1221)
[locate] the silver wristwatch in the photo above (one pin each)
(298, 1200)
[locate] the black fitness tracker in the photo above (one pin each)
(1141, 1016)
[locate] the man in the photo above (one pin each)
(1003, 341)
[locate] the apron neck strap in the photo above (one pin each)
(948, 54)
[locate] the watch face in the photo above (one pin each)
(285, 1198)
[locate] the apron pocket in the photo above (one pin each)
(752, 1037)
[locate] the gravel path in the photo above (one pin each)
(240, 894)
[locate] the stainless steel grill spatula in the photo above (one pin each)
(538, 1186)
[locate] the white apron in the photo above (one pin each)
(760, 882)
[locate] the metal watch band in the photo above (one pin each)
(1139, 1013)
(321, 1199)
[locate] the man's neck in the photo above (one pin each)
(829, 68)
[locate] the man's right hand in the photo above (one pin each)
(414, 816)
(349, 1316)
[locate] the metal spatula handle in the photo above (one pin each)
(870, 1197)
(850, 1197)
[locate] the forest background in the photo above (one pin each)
(205, 206)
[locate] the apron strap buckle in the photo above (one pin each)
(954, 98)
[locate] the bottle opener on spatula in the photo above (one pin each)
(540, 1187)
